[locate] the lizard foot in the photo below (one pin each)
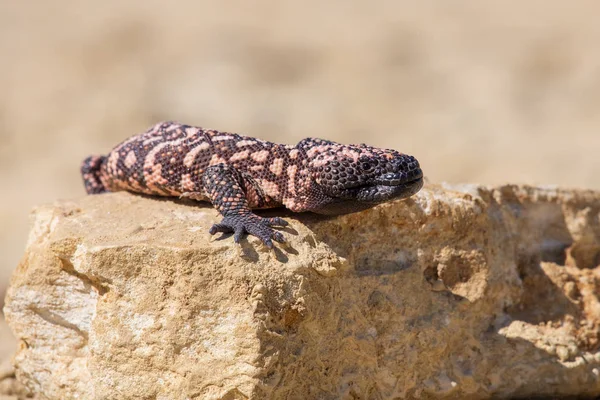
(253, 225)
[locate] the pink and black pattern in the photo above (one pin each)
(238, 173)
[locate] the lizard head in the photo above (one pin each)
(354, 178)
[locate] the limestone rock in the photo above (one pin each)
(10, 388)
(458, 292)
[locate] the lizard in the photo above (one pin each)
(239, 173)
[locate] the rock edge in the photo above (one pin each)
(459, 292)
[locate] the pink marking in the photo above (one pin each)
(130, 159)
(290, 204)
(291, 186)
(191, 132)
(243, 143)
(215, 159)
(149, 162)
(270, 188)
(190, 157)
(112, 162)
(277, 166)
(321, 161)
(260, 156)
(294, 154)
(186, 183)
(218, 138)
(240, 155)
(350, 153)
(317, 149)
(133, 183)
(155, 177)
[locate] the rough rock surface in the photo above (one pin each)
(459, 292)
(10, 388)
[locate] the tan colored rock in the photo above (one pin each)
(463, 292)
(10, 388)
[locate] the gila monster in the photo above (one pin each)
(238, 173)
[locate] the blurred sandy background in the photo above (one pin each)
(490, 92)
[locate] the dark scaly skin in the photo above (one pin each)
(224, 187)
(238, 173)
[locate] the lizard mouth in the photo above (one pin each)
(361, 197)
(389, 190)
(387, 187)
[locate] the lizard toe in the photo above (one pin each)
(239, 232)
(253, 225)
(261, 231)
(278, 237)
(276, 221)
(220, 228)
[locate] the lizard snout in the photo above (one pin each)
(400, 178)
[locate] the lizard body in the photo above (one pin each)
(238, 173)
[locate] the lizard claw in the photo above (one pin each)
(253, 225)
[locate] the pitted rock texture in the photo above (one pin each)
(458, 292)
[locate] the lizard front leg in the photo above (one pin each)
(224, 187)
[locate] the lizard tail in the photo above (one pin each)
(90, 172)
